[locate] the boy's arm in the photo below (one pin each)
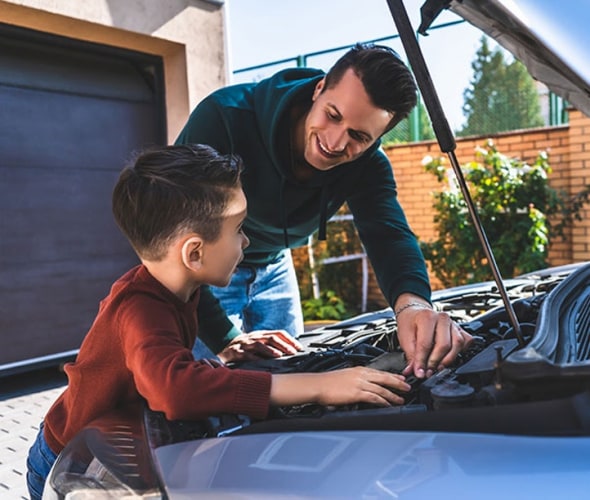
(221, 336)
(260, 344)
(167, 376)
(339, 387)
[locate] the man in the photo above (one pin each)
(310, 143)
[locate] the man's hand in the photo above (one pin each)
(259, 344)
(430, 339)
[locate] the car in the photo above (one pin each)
(510, 418)
(505, 421)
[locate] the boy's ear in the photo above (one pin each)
(192, 252)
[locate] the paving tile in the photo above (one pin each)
(20, 414)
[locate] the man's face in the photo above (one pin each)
(342, 123)
(222, 256)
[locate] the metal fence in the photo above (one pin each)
(417, 126)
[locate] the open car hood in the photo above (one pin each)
(547, 36)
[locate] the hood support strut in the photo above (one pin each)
(446, 141)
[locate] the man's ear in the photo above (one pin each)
(192, 252)
(318, 89)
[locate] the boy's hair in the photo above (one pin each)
(173, 190)
(387, 80)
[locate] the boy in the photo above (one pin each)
(182, 209)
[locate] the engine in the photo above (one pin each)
(553, 310)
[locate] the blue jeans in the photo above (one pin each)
(39, 463)
(261, 298)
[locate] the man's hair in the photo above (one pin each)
(172, 190)
(386, 79)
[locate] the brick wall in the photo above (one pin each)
(569, 156)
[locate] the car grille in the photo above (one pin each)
(582, 329)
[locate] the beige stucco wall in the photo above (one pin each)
(188, 34)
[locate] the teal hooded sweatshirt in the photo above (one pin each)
(252, 121)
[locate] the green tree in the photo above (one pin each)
(501, 96)
(519, 211)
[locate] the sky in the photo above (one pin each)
(262, 31)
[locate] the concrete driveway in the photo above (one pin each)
(24, 400)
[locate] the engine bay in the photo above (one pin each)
(495, 371)
(496, 385)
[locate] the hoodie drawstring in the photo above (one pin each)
(284, 212)
(323, 213)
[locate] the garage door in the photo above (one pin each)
(71, 115)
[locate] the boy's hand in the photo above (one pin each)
(361, 385)
(339, 387)
(259, 344)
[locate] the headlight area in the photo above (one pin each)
(109, 459)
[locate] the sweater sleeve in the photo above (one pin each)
(215, 328)
(157, 354)
(383, 228)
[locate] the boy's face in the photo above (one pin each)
(342, 123)
(221, 257)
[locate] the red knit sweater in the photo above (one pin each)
(139, 346)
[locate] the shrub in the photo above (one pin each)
(328, 306)
(515, 205)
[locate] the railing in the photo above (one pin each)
(301, 61)
(315, 282)
(411, 129)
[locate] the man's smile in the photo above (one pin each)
(326, 151)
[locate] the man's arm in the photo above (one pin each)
(387, 238)
(429, 338)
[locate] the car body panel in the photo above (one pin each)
(371, 464)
